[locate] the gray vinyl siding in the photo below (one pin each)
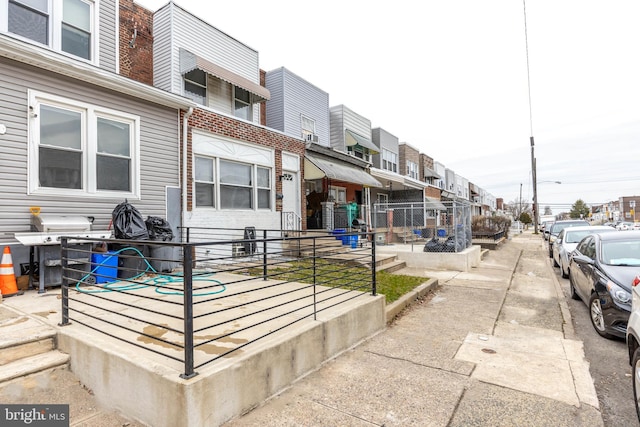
(162, 50)
(108, 41)
(384, 140)
(159, 152)
(343, 118)
(175, 28)
(299, 97)
(274, 81)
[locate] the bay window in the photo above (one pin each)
(239, 185)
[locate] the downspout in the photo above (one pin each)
(185, 186)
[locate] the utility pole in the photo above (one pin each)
(520, 204)
(533, 158)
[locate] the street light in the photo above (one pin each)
(535, 192)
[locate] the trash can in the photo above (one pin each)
(164, 258)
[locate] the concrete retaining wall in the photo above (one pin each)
(125, 378)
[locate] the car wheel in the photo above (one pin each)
(572, 289)
(565, 274)
(597, 317)
(550, 252)
(555, 263)
(635, 368)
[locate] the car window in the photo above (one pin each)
(625, 253)
(590, 249)
(583, 246)
(561, 235)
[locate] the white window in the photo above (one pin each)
(205, 184)
(240, 186)
(82, 149)
(412, 169)
(195, 86)
(382, 199)
(338, 194)
(389, 161)
(308, 128)
(67, 26)
(242, 104)
(359, 152)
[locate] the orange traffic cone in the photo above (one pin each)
(8, 285)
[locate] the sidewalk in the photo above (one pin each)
(491, 347)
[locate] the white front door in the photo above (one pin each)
(291, 200)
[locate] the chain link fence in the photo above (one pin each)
(443, 226)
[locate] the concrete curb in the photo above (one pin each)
(393, 309)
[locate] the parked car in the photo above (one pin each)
(558, 226)
(546, 226)
(601, 272)
(633, 341)
(624, 225)
(567, 241)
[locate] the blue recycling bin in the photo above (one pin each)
(105, 266)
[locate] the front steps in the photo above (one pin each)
(27, 347)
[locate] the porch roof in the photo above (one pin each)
(316, 167)
(433, 203)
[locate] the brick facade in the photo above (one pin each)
(407, 153)
(136, 42)
(229, 127)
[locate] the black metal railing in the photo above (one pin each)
(215, 292)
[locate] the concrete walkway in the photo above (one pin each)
(489, 347)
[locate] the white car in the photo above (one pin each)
(567, 241)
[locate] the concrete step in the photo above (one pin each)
(391, 267)
(31, 365)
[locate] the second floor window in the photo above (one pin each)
(63, 25)
(308, 127)
(412, 169)
(242, 103)
(389, 161)
(195, 86)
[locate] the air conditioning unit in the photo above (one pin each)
(311, 137)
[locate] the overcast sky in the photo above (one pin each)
(449, 77)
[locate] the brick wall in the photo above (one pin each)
(228, 127)
(136, 55)
(432, 192)
(407, 153)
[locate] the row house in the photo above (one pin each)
(77, 137)
(337, 144)
(238, 172)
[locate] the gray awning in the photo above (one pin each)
(428, 173)
(352, 138)
(316, 167)
(432, 203)
(190, 62)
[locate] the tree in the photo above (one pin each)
(525, 218)
(547, 210)
(580, 209)
(517, 207)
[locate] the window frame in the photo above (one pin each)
(390, 164)
(90, 113)
(204, 86)
(217, 184)
(412, 169)
(54, 31)
(248, 104)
